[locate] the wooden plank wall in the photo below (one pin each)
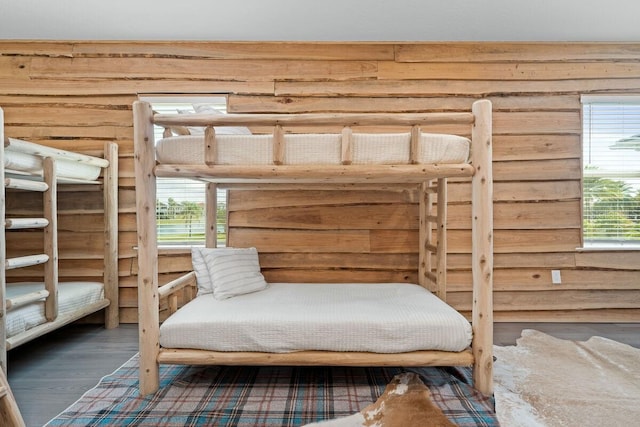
(75, 95)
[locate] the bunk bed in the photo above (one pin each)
(32, 309)
(340, 157)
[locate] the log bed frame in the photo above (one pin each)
(47, 183)
(430, 179)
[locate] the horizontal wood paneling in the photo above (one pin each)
(611, 315)
(515, 52)
(80, 86)
(553, 300)
(389, 70)
(619, 260)
(301, 104)
(442, 87)
(535, 147)
(191, 68)
(76, 95)
(365, 217)
(539, 279)
(508, 216)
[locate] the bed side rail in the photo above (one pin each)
(313, 119)
(170, 290)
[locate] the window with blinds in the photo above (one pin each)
(611, 171)
(180, 204)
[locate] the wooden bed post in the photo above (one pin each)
(110, 194)
(441, 243)
(148, 303)
(211, 210)
(50, 205)
(482, 247)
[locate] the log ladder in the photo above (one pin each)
(49, 257)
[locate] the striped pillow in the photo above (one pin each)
(235, 273)
(203, 280)
(202, 257)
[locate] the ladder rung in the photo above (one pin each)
(25, 261)
(431, 248)
(25, 184)
(432, 277)
(20, 300)
(21, 223)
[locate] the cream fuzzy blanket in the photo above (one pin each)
(545, 381)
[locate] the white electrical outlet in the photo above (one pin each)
(556, 279)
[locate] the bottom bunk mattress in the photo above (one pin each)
(72, 296)
(288, 317)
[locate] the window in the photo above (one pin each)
(180, 204)
(611, 171)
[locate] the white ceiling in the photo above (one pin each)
(322, 20)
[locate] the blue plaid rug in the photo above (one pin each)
(263, 396)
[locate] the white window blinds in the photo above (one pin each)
(611, 171)
(180, 204)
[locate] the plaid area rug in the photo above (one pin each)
(262, 396)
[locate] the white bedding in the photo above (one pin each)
(71, 297)
(315, 149)
(287, 317)
(15, 161)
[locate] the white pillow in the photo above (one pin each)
(235, 273)
(220, 130)
(200, 268)
(199, 262)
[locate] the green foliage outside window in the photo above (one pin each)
(184, 222)
(611, 210)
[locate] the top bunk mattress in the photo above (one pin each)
(19, 163)
(289, 317)
(316, 149)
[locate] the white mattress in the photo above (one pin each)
(287, 317)
(71, 297)
(17, 162)
(315, 149)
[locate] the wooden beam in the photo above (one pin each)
(111, 234)
(313, 119)
(313, 358)
(309, 174)
(50, 204)
(167, 289)
(211, 212)
(482, 248)
(441, 240)
(148, 301)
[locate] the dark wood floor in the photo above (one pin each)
(49, 374)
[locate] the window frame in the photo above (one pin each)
(588, 100)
